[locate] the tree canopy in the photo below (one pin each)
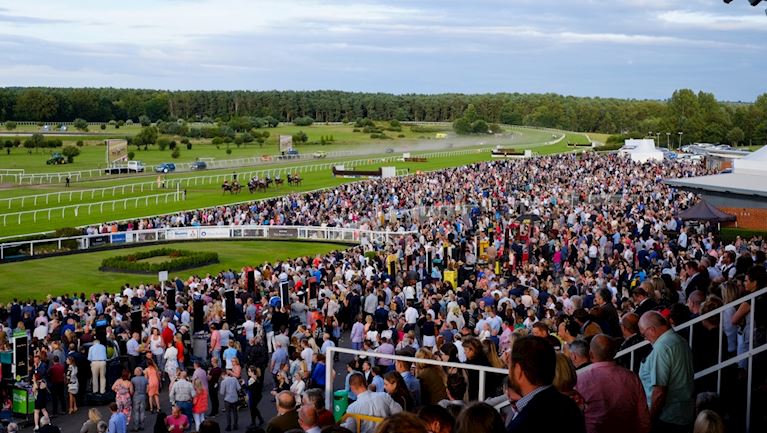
(699, 116)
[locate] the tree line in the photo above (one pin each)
(699, 116)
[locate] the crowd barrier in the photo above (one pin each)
(313, 233)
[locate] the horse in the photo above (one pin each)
(294, 180)
(256, 185)
(278, 181)
(236, 188)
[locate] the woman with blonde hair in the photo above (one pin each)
(730, 292)
(433, 379)
(565, 379)
(708, 421)
(91, 424)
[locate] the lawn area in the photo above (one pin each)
(34, 279)
(93, 152)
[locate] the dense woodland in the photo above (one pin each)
(698, 115)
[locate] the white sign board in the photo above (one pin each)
(162, 276)
(214, 233)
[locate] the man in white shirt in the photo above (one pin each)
(377, 404)
(458, 343)
(306, 354)
(411, 316)
(249, 326)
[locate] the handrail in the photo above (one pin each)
(358, 418)
(701, 318)
(329, 368)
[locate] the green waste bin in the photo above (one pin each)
(22, 402)
(340, 403)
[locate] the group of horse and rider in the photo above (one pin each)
(256, 184)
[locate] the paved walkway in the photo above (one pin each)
(73, 423)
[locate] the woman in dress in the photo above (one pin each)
(123, 389)
(171, 363)
(73, 385)
(237, 369)
(40, 391)
(153, 376)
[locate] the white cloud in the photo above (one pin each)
(709, 21)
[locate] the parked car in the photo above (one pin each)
(389, 150)
(290, 154)
(199, 165)
(319, 155)
(130, 167)
(56, 159)
(165, 167)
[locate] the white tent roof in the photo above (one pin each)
(755, 163)
(642, 150)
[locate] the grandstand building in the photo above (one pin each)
(741, 192)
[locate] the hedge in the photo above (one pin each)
(180, 260)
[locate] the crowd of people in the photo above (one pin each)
(544, 268)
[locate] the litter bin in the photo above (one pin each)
(340, 403)
(200, 345)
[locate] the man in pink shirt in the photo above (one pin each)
(615, 399)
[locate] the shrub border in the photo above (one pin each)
(185, 260)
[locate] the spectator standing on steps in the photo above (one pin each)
(97, 355)
(229, 390)
(140, 383)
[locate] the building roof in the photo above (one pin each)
(735, 183)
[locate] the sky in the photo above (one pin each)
(643, 49)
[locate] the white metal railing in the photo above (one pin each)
(747, 356)
(75, 208)
(483, 370)
(314, 233)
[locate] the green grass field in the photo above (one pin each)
(35, 279)
(93, 152)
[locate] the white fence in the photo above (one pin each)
(483, 371)
(75, 208)
(313, 233)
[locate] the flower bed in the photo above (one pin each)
(178, 260)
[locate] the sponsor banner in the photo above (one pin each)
(181, 234)
(98, 241)
(118, 238)
(214, 233)
(283, 232)
(21, 355)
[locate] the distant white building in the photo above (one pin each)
(641, 150)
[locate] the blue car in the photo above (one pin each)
(165, 167)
